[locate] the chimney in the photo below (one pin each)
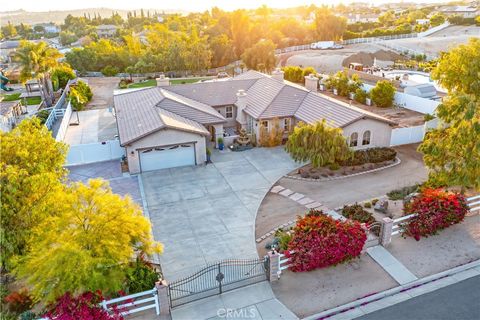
(163, 81)
(311, 82)
(241, 105)
(278, 74)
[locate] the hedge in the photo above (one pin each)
(373, 155)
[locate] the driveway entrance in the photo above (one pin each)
(205, 214)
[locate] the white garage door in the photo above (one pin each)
(167, 157)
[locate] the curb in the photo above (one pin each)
(403, 289)
(397, 162)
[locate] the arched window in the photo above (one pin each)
(354, 139)
(366, 138)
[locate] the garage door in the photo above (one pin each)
(167, 157)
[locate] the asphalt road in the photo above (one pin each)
(460, 301)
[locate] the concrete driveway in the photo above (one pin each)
(207, 213)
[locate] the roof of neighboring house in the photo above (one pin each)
(9, 44)
(7, 106)
(107, 27)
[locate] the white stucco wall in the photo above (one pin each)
(380, 135)
(163, 138)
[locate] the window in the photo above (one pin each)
(265, 124)
(286, 124)
(250, 123)
(366, 138)
(354, 139)
(228, 112)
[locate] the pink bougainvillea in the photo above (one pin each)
(434, 210)
(320, 241)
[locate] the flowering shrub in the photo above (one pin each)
(435, 210)
(357, 213)
(83, 307)
(18, 301)
(320, 241)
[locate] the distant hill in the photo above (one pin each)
(22, 16)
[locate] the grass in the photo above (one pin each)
(153, 82)
(16, 96)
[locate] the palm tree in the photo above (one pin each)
(37, 61)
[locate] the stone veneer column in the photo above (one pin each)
(386, 232)
(274, 266)
(162, 296)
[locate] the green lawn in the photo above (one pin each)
(16, 96)
(153, 82)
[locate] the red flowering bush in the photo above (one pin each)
(435, 210)
(18, 301)
(83, 307)
(321, 241)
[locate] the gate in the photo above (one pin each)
(217, 278)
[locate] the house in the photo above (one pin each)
(464, 11)
(8, 49)
(168, 126)
(364, 18)
(49, 27)
(106, 30)
(10, 112)
(423, 90)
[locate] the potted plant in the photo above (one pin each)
(209, 155)
(220, 143)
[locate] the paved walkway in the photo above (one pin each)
(391, 265)
(253, 302)
(207, 213)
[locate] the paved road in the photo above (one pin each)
(459, 301)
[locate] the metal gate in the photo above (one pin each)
(217, 278)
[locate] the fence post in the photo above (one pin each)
(274, 269)
(386, 231)
(162, 296)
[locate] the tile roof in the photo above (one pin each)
(172, 120)
(261, 94)
(218, 93)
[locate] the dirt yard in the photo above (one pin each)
(102, 88)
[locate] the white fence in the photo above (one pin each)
(410, 102)
(134, 303)
(94, 152)
(62, 130)
(407, 135)
(474, 203)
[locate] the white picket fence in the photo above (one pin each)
(94, 152)
(62, 130)
(134, 303)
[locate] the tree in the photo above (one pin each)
(32, 169)
(240, 30)
(9, 30)
(67, 38)
(383, 94)
(437, 19)
(87, 243)
(37, 61)
(452, 151)
(261, 56)
(329, 26)
(319, 143)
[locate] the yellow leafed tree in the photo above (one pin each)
(86, 244)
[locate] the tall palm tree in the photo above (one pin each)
(37, 61)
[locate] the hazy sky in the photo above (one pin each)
(188, 5)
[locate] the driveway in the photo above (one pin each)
(102, 89)
(207, 213)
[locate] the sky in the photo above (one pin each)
(186, 5)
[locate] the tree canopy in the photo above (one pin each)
(87, 243)
(261, 56)
(452, 151)
(319, 143)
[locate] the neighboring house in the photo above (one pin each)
(464, 11)
(424, 90)
(357, 17)
(169, 126)
(10, 112)
(7, 50)
(106, 30)
(422, 21)
(49, 27)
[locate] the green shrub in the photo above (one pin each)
(334, 166)
(80, 94)
(357, 213)
(372, 155)
(110, 71)
(374, 201)
(367, 205)
(141, 276)
(61, 76)
(361, 96)
(400, 194)
(43, 116)
(282, 239)
(383, 94)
